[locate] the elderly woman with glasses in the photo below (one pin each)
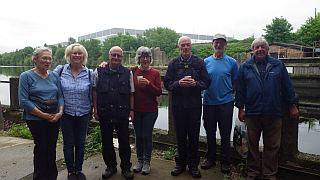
(41, 98)
(147, 84)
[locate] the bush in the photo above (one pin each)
(94, 141)
(20, 130)
(169, 154)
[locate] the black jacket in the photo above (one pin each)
(187, 97)
(113, 94)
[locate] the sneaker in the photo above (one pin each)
(194, 171)
(109, 172)
(80, 176)
(207, 164)
(127, 174)
(146, 168)
(225, 168)
(178, 170)
(138, 167)
(72, 176)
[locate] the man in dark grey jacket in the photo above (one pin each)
(186, 77)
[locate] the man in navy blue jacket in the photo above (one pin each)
(262, 83)
(186, 77)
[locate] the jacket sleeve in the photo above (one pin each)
(204, 78)
(287, 90)
(24, 93)
(240, 89)
(169, 80)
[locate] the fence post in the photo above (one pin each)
(289, 136)
(171, 130)
(1, 118)
(14, 99)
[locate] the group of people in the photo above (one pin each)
(71, 94)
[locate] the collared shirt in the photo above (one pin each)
(77, 91)
(262, 67)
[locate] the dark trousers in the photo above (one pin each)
(45, 137)
(74, 131)
(270, 126)
(108, 153)
(221, 115)
(187, 126)
(143, 126)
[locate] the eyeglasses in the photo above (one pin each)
(116, 55)
(145, 57)
(46, 58)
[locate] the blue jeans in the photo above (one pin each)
(143, 126)
(74, 131)
(221, 115)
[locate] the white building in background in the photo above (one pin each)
(101, 35)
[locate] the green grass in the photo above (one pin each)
(20, 130)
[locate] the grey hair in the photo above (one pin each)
(260, 40)
(142, 50)
(182, 37)
(69, 49)
(38, 51)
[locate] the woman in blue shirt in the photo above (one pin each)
(37, 85)
(76, 82)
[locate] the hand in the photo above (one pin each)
(131, 116)
(103, 64)
(144, 81)
(96, 117)
(294, 112)
(47, 116)
(241, 115)
(187, 82)
(55, 117)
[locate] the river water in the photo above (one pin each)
(308, 137)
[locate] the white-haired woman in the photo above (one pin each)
(76, 82)
(147, 84)
(41, 98)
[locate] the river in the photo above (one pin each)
(309, 132)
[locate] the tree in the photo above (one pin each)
(164, 38)
(71, 40)
(93, 47)
(310, 32)
(278, 31)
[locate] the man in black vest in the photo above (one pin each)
(186, 77)
(113, 107)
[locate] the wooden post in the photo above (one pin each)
(14, 99)
(289, 136)
(171, 130)
(1, 118)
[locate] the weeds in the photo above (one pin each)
(169, 154)
(94, 141)
(20, 130)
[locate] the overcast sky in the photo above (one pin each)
(35, 22)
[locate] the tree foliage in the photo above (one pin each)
(278, 31)
(309, 32)
(164, 38)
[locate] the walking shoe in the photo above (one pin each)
(137, 168)
(80, 176)
(146, 168)
(178, 170)
(225, 168)
(127, 174)
(194, 171)
(109, 172)
(72, 176)
(207, 163)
